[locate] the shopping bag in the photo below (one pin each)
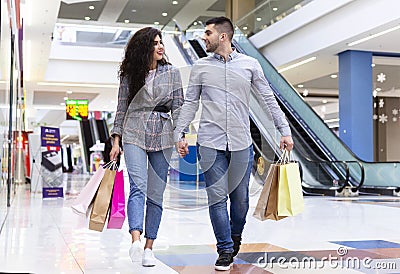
(117, 210)
(290, 194)
(81, 204)
(267, 205)
(101, 204)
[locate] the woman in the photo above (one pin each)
(150, 88)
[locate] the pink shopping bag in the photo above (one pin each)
(81, 204)
(117, 211)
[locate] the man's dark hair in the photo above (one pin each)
(223, 25)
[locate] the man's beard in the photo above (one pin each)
(212, 47)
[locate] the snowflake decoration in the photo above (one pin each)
(381, 103)
(394, 119)
(381, 77)
(395, 111)
(375, 93)
(375, 117)
(374, 104)
(383, 118)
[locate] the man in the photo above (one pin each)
(224, 81)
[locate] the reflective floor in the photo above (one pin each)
(333, 235)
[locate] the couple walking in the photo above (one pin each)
(150, 90)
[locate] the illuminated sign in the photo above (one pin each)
(77, 109)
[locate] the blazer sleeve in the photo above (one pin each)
(122, 107)
(177, 95)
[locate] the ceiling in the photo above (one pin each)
(41, 19)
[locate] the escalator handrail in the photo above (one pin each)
(276, 149)
(317, 117)
(320, 160)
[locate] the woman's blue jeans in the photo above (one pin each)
(148, 172)
(226, 173)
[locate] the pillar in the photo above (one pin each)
(356, 103)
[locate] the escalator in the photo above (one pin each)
(87, 134)
(92, 130)
(197, 47)
(324, 146)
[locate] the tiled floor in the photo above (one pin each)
(333, 235)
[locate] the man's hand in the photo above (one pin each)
(182, 147)
(286, 142)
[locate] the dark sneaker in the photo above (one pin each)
(237, 240)
(224, 261)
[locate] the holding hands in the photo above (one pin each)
(182, 147)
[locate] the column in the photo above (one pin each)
(236, 9)
(355, 103)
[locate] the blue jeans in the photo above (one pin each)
(148, 173)
(226, 173)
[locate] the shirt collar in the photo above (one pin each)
(231, 56)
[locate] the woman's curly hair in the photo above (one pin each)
(138, 58)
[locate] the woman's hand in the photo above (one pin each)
(116, 150)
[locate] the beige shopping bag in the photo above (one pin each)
(267, 205)
(102, 200)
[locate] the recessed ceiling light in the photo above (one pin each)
(91, 7)
(333, 76)
(156, 23)
(174, 2)
(373, 65)
(195, 23)
(244, 28)
(87, 18)
(164, 14)
(69, 91)
(133, 10)
(274, 9)
(300, 86)
(378, 89)
(126, 21)
(324, 101)
(258, 19)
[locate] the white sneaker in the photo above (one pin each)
(135, 252)
(148, 258)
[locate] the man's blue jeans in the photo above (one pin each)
(148, 173)
(226, 173)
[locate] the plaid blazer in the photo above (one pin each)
(138, 123)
